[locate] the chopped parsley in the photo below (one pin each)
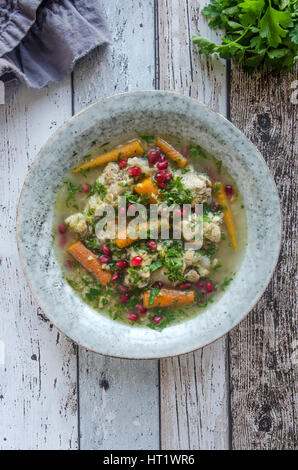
(148, 138)
(156, 265)
(153, 293)
(196, 151)
(72, 189)
(175, 193)
(98, 188)
(219, 165)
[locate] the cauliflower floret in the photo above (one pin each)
(204, 265)
(111, 174)
(77, 223)
(93, 204)
(114, 174)
(192, 276)
(199, 185)
(188, 258)
(212, 231)
(114, 191)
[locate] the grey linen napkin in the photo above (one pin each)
(40, 41)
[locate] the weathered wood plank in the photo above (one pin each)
(119, 400)
(262, 346)
(38, 378)
(194, 412)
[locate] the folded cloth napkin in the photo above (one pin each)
(40, 41)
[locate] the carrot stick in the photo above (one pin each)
(169, 298)
(171, 152)
(131, 149)
(147, 186)
(223, 201)
(89, 261)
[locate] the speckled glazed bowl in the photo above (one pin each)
(144, 113)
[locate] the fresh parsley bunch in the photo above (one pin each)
(259, 33)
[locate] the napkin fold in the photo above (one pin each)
(40, 40)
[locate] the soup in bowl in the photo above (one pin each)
(192, 237)
(146, 277)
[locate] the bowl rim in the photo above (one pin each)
(35, 162)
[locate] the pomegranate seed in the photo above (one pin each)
(157, 319)
(69, 263)
(152, 245)
(209, 287)
(115, 277)
(122, 210)
(122, 289)
(134, 171)
(153, 156)
(136, 261)
(106, 250)
(160, 177)
(229, 190)
(124, 298)
(85, 188)
(200, 284)
(104, 259)
(203, 292)
(122, 164)
(162, 165)
(215, 208)
(63, 241)
(133, 317)
(131, 209)
(185, 285)
(168, 177)
(141, 308)
(158, 284)
(162, 185)
(62, 229)
(122, 264)
(162, 158)
(202, 301)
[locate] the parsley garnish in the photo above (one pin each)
(72, 189)
(175, 193)
(219, 165)
(258, 33)
(196, 151)
(153, 293)
(98, 188)
(155, 265)
(148, 138)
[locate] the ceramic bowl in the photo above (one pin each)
(136, 114)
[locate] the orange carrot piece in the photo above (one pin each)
(131, 149)
(172, 153)
(223, 201)
(169, 298)
(90, 262)
(147, 186)
(124, 242)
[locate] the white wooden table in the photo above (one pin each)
(54, 395)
